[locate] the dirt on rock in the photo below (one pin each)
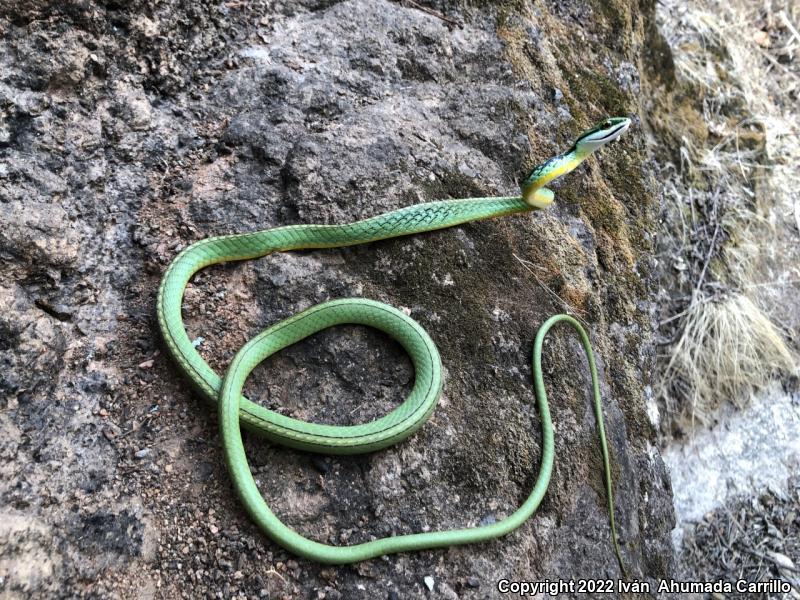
(129, 130)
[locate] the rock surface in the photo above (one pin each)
(735, 459)
(128, 130)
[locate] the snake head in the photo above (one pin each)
(533, 190)
(602, 133)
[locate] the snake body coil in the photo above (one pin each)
(235, 410)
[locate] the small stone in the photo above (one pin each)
(143, 453)
(761, 38)
(320, 464)
(393, 595)
(428, 582)
(473, 582)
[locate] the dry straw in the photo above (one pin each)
(725, 200)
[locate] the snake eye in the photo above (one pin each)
(607, 123)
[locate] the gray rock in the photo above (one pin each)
(128, 131)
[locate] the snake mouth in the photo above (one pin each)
(616, 132)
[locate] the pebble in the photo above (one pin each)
(473, 582)
(320, 464)
(143, 453)
(488, 520)
(428, 582)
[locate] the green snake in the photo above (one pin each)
(236, 411)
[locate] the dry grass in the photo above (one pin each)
(734, 186)
(731, 237)
(728, 349)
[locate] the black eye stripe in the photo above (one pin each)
(609, 125)
(612, 132)
(590, 133)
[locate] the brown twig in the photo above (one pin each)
(775, 63)
(797, 214)
(711, 248)
(789, 25)
(576, 312)
(769, 558)
(433, 13)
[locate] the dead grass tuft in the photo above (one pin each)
(728, 194)
(728, 350)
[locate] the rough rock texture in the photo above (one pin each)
(128, 130)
